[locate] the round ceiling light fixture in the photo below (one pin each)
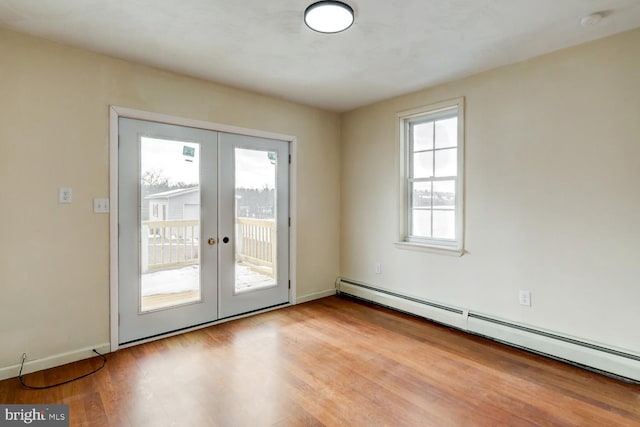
(329, 16)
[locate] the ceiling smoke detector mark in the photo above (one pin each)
(592, 20)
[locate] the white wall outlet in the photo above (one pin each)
(65, 195)
(101, 205)
(525, 298)
(378, 268)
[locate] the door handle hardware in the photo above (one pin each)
(211, 241)
(225, 240)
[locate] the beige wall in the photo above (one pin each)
(552, 194)
(54, 131)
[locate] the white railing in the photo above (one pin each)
(256, 241)
(171, 244)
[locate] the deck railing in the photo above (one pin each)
(171, 244)
(256, 241)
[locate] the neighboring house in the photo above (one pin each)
(183, 203)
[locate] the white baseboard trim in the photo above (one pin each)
(606, 359)
(315, 296)
(53, 361)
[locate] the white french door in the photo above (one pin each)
(203, 227)
(253, 223)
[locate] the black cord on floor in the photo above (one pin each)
(31, 387)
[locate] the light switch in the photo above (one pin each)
(101, 205)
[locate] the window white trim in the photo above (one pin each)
(406, 241)
(423, 247)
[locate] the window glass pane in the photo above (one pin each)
(444, 194)
(421, 195)
(447, 162)
(423, 136)
(447, 133)
(444, 224)
(421, 223)
(423, 164)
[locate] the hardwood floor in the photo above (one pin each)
(331, 362)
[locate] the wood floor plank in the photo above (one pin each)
(331, 362)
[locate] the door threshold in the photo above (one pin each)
(199, 326)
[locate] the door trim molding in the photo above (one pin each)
(116, 112)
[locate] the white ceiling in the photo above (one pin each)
(394, 46)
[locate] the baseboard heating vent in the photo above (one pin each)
(605, 359)
(452, 316)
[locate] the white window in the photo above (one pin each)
(432, 144)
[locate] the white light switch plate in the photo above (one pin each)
(101, 205)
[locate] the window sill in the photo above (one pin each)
(412, 246)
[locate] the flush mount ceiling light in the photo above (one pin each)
(328, 16)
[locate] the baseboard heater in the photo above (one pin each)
(604, 359)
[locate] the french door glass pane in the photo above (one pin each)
(169, 223)
(255, 224)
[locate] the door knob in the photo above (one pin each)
(211, 241)
(225, 240)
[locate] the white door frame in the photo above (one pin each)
(117, 112)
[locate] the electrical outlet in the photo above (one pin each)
(101, 205)
(525, 298)
(378, 268)
(65, 195)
